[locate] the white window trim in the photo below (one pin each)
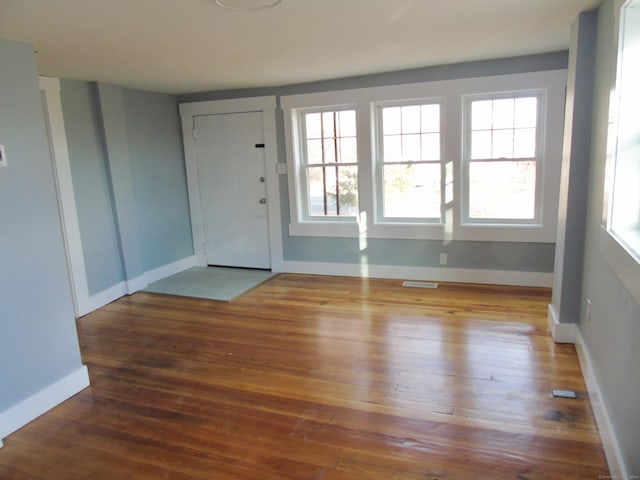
(623, 259)
(300, 168)
(451, 93)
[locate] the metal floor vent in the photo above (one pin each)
(419, 284)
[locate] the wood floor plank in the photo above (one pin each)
(319, 378)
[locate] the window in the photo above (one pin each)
(624, 217)
(409, 162)
(620, 235)
(503, 160)
(330, 163)
(468, 159)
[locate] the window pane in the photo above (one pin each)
(502, 190)
(341, 197)
(526, 114)
(329, 150)
(481, 144)
(391, 122)
(524, 143)
(347, 192)
(503, 113)
(347, 120)
(411, 147)
(314, 151)
(315, 190)
(348, 150)
(430, 118)
(502, 144)
(412, 191)
(313, 125)
(411, 119)
(328, 124)
(431, 146)
(481, 115)
(392, 148)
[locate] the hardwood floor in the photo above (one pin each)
(319, 378)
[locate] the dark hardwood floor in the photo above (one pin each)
(319, 378)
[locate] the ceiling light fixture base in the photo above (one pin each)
(247, 4)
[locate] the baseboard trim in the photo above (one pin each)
(608, 436)
(491, 277)
(170, 269)
(561, 332)
(31, 408)
(132, 286)
(105, 297)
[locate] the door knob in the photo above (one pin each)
(261, 179)
(263, 200)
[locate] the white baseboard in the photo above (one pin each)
(608, 436)
(170, 269)
(132, 286)
(561, 332)
(47, 398)
(105, 297)
(463, 275)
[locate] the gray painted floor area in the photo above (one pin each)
(215, 283)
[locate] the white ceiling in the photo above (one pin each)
(180, 46)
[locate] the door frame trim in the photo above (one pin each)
(69, 223)
(267, 107)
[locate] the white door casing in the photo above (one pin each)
(54, 120)
(266, 107)
(231, 177)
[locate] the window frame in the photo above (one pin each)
(380, 218)
(304, 165)
(536, 221)
(622, 255)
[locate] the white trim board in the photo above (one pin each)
(490, 277)
(608, 436)
(129, 287)
(267, 106)
(561, 332)
(54, 119)
(44, 400)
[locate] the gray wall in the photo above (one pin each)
(38, 342)
(87, 155)
(127, 162)
(613, 333)
(572, 205)
(510, 256)
(158, 174)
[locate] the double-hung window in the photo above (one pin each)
(503, 160)
(409, 162)
(471, 159)
(329, 163)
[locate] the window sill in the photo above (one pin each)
(622, 261)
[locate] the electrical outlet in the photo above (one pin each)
(588, 313)
(443, 259)
(3, 156)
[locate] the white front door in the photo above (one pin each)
(233, 194)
